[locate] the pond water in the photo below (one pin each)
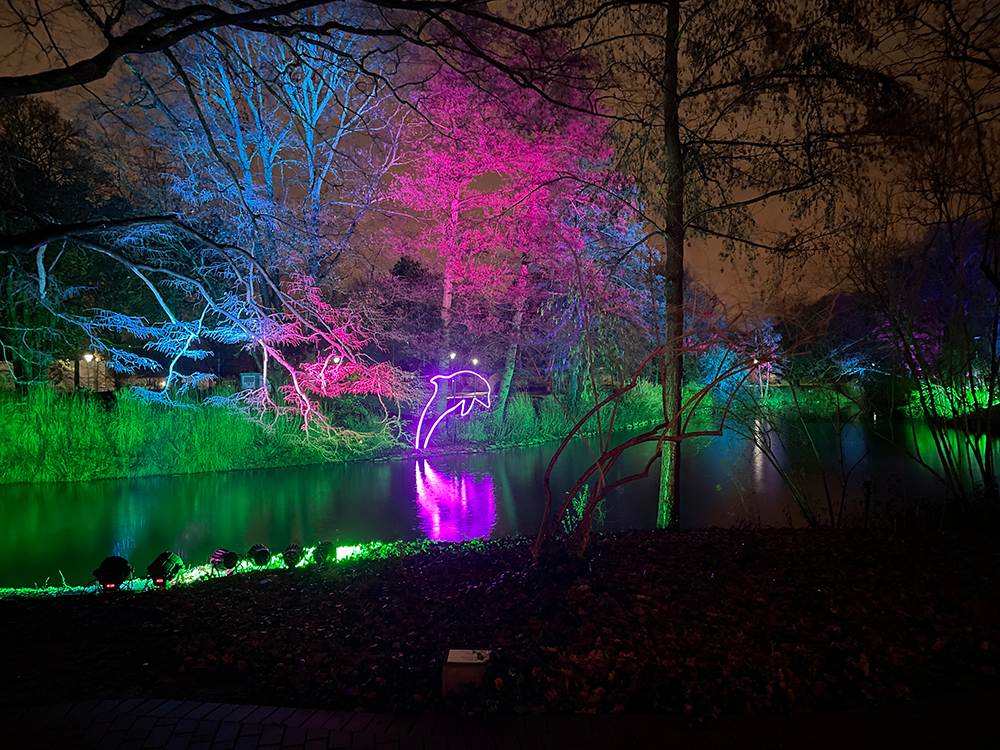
(50, 531)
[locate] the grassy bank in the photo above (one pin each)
(48, 437)
(694, 623)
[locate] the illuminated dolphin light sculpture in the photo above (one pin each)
(465, 404)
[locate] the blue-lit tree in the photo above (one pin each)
(267, 154)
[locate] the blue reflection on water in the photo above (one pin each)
(453, 508)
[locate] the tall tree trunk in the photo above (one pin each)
(503, 387)
(668, 509)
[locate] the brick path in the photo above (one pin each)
(962, 721)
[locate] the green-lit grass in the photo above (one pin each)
(944, 402)
(530, 421)
(47, 437)
(347, 557)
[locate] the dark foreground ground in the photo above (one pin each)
(695, 623)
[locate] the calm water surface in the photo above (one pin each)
(53, 530)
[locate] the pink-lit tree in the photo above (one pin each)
(494, 183)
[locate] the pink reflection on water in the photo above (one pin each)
(454, 508)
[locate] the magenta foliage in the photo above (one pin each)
(497, 181)
(337, 337)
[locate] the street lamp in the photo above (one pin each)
(88, 357)
(475, 361)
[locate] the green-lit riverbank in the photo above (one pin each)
(47, 437)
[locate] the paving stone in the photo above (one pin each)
(492, 725)
(183, 710)
(148, 705)
(179, 742)
(359, 722)
(294, 737)
(204, 731)
(362, 741)
(533, 741)
(317, 720)
(507, 742)
(126, 706)
(482, 742)
(423, 725)
(164, 708)
(271, 734)
(466, 726)
(379, 723)
(411, 742)
(228, 731)
(298, 718)
(110, 741)
(279, 716)
(536, 725)
(158, 736)
(248, 742)
(95, 731)
(696, 738)
(339, 739)
(223, 712)
(260, 714)
(202, 711)
(646, 741)
(106, 706)
(185, 726)
(338, 720)
(241, 713)
(141, 726)
(400, 726)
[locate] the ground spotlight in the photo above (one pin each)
(113, 572)
(224, 559)
(164, 569)
(292, 555)
(259, 555)
(322, 552)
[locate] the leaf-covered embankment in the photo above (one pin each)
(695, 622)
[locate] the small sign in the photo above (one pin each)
(250, 381)
(463, 667)
(467, 656)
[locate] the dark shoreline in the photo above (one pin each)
(695, 623)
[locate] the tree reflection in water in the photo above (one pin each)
(454, 508)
